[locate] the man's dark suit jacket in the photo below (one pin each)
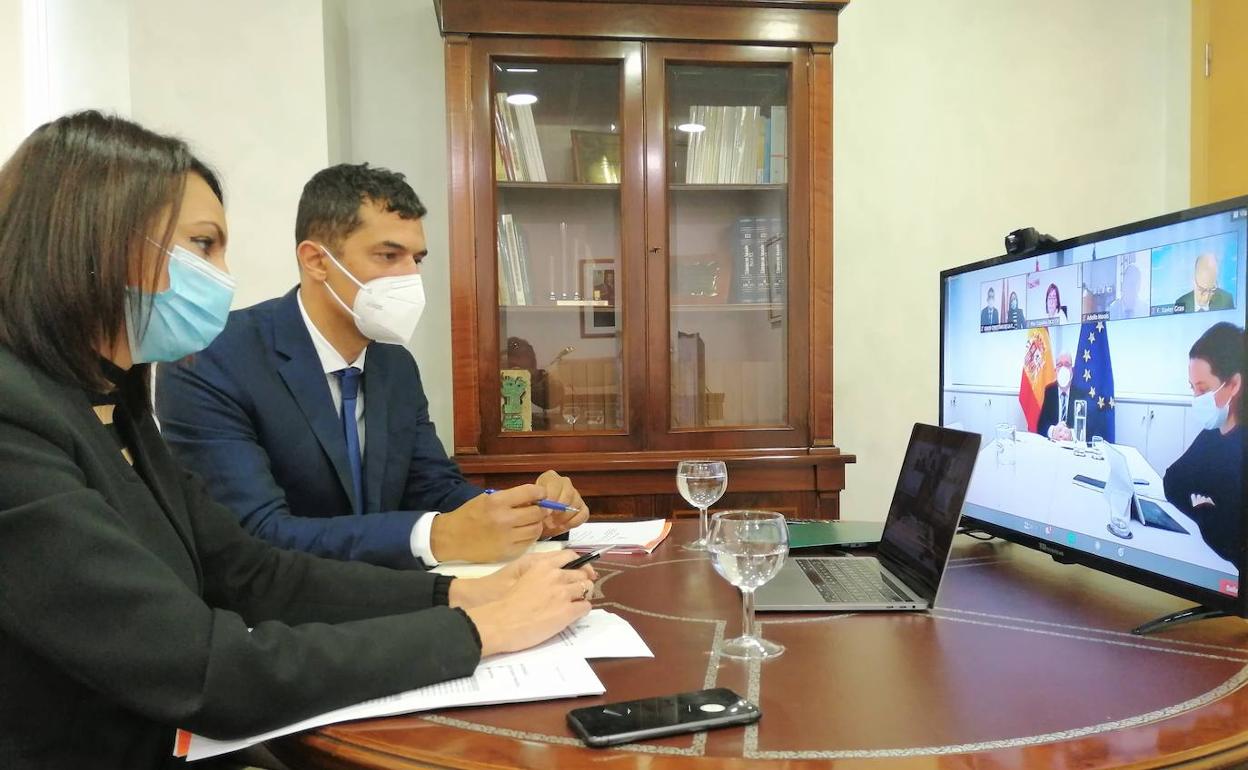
(1221, 300)
(254, 416)
(126, 595)
(1052, 405)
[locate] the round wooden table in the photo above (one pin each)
(1026, 664)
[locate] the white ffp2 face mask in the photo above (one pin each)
(386, 309)
(1063, 377)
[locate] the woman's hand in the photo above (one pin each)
(536, 599)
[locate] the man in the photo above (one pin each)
(1127, 303)
(1057, 413)
(989, 315)
(1205, 294)
(307, 417)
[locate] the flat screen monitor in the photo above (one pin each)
(1105, 375)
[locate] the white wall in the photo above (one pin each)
(244, 83)
(12, 87)
(58, 56)
(955, 123)
(394, 97)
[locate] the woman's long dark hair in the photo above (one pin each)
(77, 200)
(1224, 347)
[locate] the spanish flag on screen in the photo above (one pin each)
(1038, 372)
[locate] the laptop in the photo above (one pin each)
(914, 547)
(833, 533)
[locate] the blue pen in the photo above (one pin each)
(550, 505)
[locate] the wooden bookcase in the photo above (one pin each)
(641, 246)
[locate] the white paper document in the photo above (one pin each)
(600, 634)
(469, 570)
(625, 535)
(514, 678)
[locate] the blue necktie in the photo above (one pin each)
(349, 381)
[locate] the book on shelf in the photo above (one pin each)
(738, 145)
(513, 264)
(759, 269)
(778, 143)
(516, 142)
(775, 257)
(745, 265)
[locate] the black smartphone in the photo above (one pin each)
(687, 712)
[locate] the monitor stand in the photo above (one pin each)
(1166, 622)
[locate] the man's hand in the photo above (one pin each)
(541, 602)
(489, 527)
(1060, 432)
(560, 489)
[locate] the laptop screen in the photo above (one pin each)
(923, 518)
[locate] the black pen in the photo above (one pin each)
(587, 558)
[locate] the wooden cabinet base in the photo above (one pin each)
(802, 482)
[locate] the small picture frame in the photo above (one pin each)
(596, 157)
(599, 317)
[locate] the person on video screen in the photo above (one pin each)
(1205, 294)
(1127, 303)
(990, 316)
(1057, 413)
(1053, 306)
(1206, 482)
(1016, 313)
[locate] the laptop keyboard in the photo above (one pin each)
(849, 580)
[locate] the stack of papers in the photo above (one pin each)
(555, 669)
(623, 536)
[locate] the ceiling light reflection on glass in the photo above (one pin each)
(691, 128)
(521, 99)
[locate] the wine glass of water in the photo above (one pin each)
(701, 483)
(747, 549)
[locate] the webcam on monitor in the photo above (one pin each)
(1026, 240)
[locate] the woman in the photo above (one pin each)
(130, 603)
(1053, 303)
(1206, 482)
(1016, 314)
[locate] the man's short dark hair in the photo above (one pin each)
(329, 209)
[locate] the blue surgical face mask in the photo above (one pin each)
(1206, 412)
(184, 318)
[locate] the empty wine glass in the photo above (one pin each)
(570, 415)
(594, 418)
(701, 483)
(747, 549)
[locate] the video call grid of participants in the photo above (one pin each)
(1182, 277)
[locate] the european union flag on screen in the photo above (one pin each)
(1095, 374)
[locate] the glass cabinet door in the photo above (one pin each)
(728, 129)
(559, 251)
